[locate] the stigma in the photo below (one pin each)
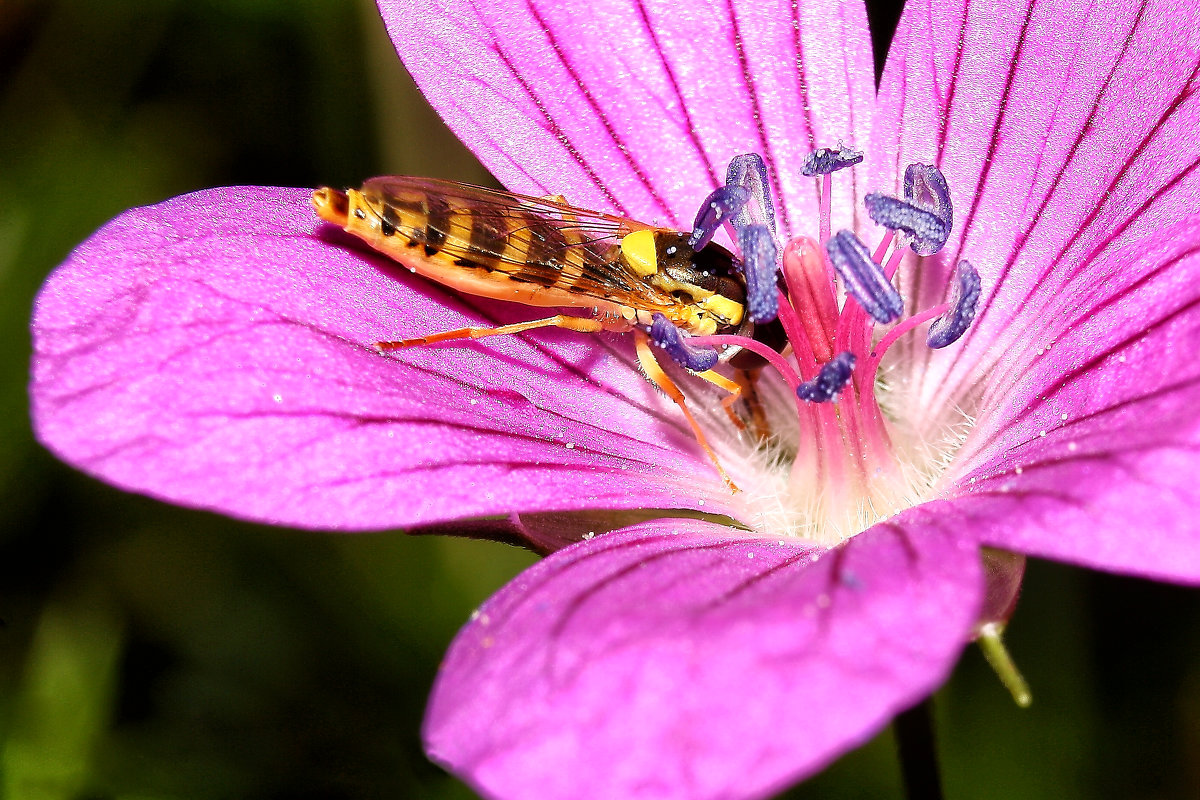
(839, 456)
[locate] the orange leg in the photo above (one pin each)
(746, 378)
(741, 387)
(581, 324)
(735, 392)
(655, 373)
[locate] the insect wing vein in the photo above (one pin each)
(533, 240)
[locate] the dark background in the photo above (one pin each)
(148, 651)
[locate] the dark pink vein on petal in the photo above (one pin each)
(1131, 218)
(618, 142)
(1110, 458)
(577, 602)
(1108, 240)
(1001, 112)
(1095, 213)
(509, 465)
(464, 112)
(944, 121)
(739, 47)
(993, 143)
(354, 421)
(745, 585)
(1020, 494)
(530, 588)
(1065, 90)
(1162, 392)
(1065, 380)
(1111, 300)
(802, 76)
(849, 104)
(693, 134)
(914, 277)
(553, 126)
(1053, 188)
(637, 565)
(1053, 191)
(1099, 249)
(802, 88)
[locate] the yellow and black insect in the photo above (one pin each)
(544, 252)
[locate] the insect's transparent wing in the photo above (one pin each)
(535, 240)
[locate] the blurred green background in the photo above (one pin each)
(148, 651)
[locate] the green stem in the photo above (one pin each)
(918, 752)
(997, 655)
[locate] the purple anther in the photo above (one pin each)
(925, 187)
(718, 209)
(830, 380)
(964, 302)
(827, 160)
(668, 338)
(929, 233)
(760, 265)
(750, 171)
(863, 278)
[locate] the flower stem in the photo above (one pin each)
(918, 752)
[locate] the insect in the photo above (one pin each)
(544, 252)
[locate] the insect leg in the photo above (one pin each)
(741, 387)
(581, 324)
(735, 392)
(654, 372)
(747, 379)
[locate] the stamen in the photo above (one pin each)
(904, 326)
(825, 211)
(668, 338)
(884, 244)
(749, 171)
(760, 263)
(925, 187)
(826, 160)
(719, 208)
(829, 381)
(893, 262)
(964, 301)
(744, 342)
(928, 231)
(863, 278)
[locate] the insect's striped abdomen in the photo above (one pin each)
(541, 252)
(473, 234)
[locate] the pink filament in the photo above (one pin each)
(746, 343)
(826, 206)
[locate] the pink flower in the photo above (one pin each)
(216, 351)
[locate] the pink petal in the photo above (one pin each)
(1075, 178)
(636, 106)
(676, 659)
(1091, 451)
(216, 351)
(1066, 132)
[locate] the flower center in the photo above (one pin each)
(841, 457)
